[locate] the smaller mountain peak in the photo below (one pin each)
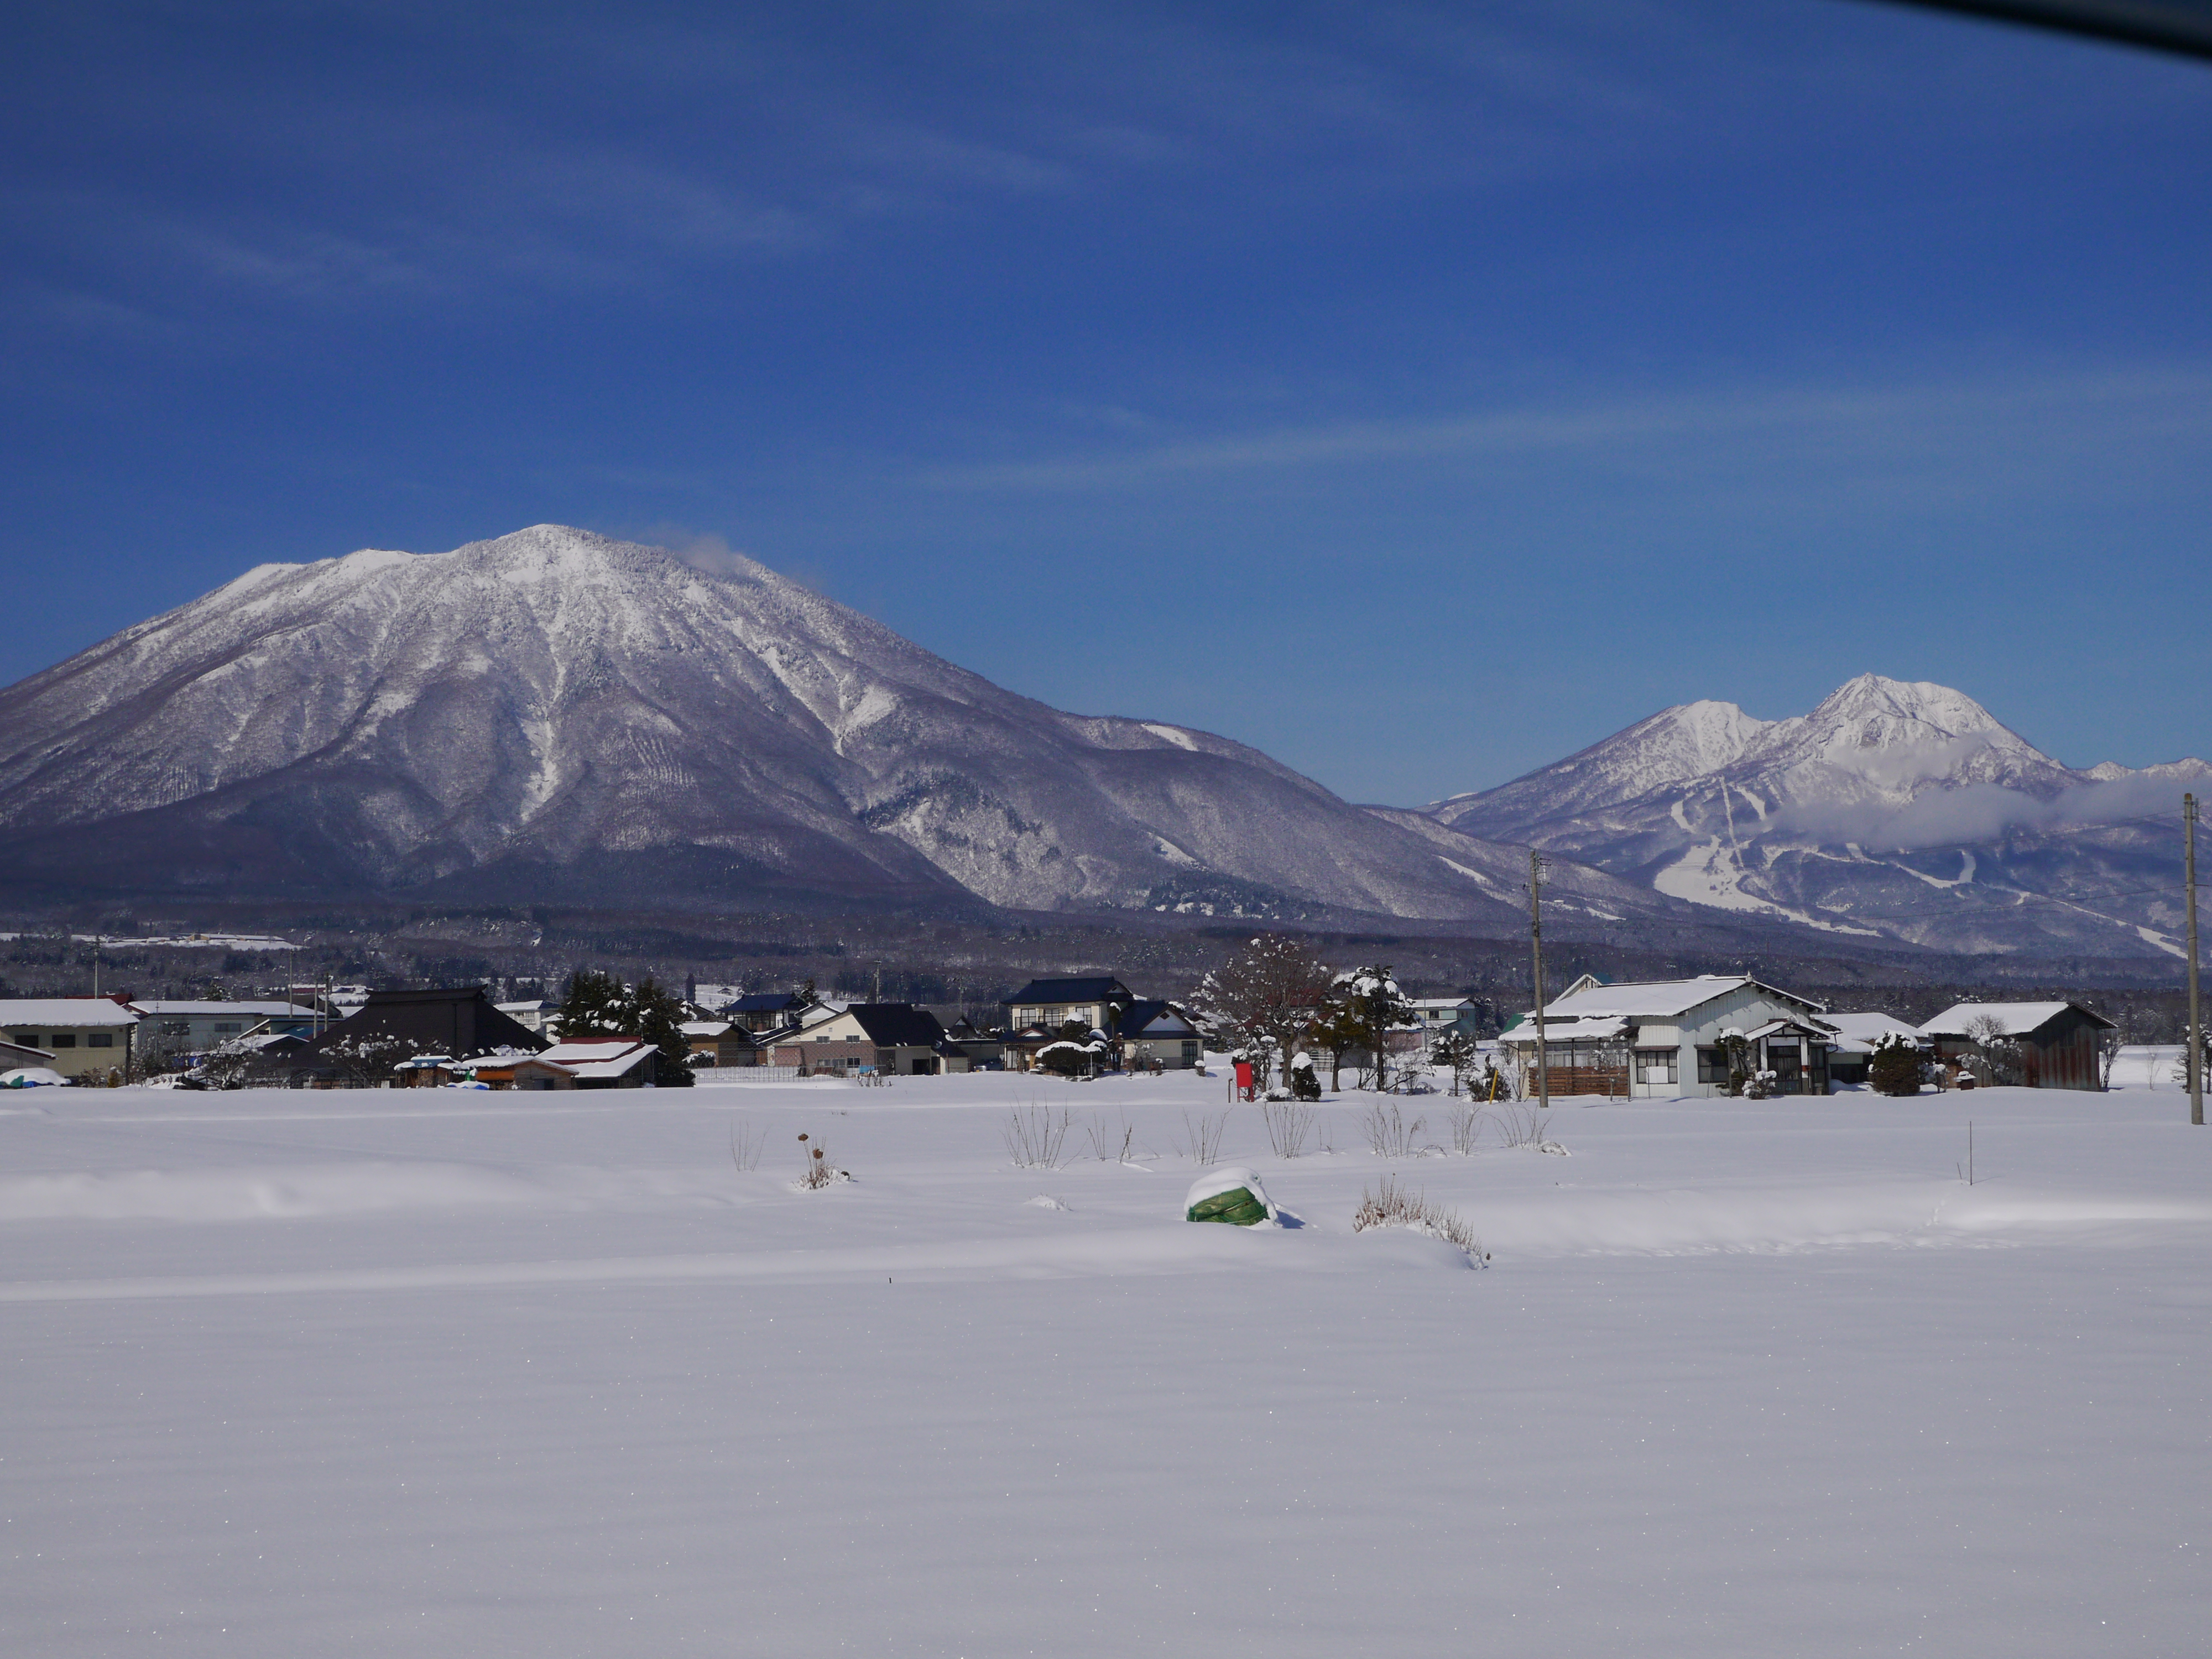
(1922, 701)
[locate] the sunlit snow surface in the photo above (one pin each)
(293, 1374)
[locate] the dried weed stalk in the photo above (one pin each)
(1035, 1135)
(1289, 1123)
(1201, 1141)
(1389, 1132)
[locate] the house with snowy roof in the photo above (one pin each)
(879, 1039)
(2060, 1043)
(1664, 1039)
(1158, 1036)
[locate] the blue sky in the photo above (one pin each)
(1416, 393)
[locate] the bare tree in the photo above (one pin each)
(1266, 996)
(1995, 1056)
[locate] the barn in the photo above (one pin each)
(2060, 1043)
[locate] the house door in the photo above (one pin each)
(1787, 1063)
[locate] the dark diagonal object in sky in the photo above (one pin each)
(2178, 25)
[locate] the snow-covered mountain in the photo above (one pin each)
(556, 715)
(1894, 808)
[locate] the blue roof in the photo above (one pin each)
(1097, 987)
(1139, 1015)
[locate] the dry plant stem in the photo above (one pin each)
(1288, 1123)
(1035, 1136)
(1202, 1142)
(1111, 1143)
(816, 1171)
(746, 1145)
(1525, 1125)
(1389, 1134)
(1467, 1117)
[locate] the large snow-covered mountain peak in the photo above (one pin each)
(558, 712)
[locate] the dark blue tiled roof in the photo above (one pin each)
(1098, 988)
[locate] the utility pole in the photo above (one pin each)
(2196, 1023)
(95, 967)
(1536, 959)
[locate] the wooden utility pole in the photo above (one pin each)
(2196, 1023)
(1536, 959)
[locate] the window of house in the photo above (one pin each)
(28, 1039)
(65, 1039)
(1655, 1065)
(1712, 1065)
(229, 1027)
(101, 1040)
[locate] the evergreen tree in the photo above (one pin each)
(1895, 1067)
(1375, 1007)
(658, 1018)
(595, 1005)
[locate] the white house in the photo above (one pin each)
(1155, 1033)
(1663, 1038)
(879, 1038)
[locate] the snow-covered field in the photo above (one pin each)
(465, 1374)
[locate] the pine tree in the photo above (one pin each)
(658, 1017)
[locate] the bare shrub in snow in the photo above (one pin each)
(1411, 1077)
(1526, 1126)
(1995, 1056)
(1289, 1122)
(1389, 1134)
(1111, 1143)
(746, 1145)
(1201, 1141)
(1466, 1120)
(1392, 1206)
(1036, 1136)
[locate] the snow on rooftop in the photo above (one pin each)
(28, 1012)
(1659, 999)
(2019, 1017)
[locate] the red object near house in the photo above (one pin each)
(1244, 1079)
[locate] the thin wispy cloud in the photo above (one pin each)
(1896, 417)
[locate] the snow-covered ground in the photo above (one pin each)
(465, 1374)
